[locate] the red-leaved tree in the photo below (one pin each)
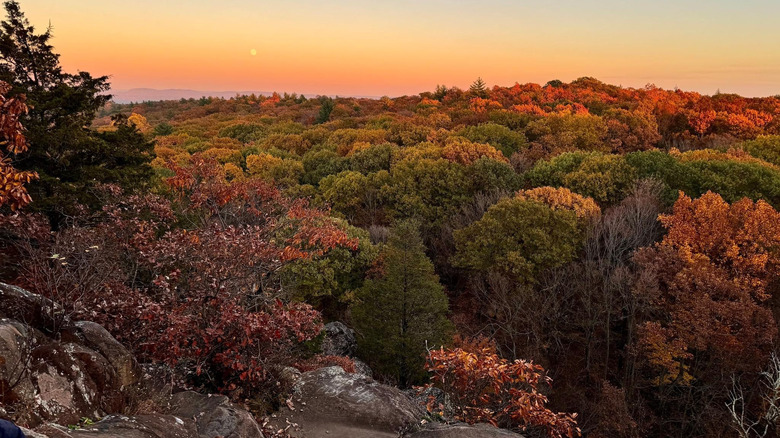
(483, 387)
(12, 181)
(189, 279)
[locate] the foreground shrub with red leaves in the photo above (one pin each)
(187, 279)
(484, 388)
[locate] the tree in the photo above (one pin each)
(12, 182)
(462, 151)
(428, 189)
(478, 88)
(483, 387)
(500, 137)
(564, 199)
(206, 299)
(765, 147)
(70, 158)
(746, 425)
(605, 178)
(359, 197)
(440, 93)
(326, 107)
(401, 309)
(519, 238)
(708, 280)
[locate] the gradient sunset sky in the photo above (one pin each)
(368, 47)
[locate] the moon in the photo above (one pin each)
(253, 52)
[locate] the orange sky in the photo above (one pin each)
(376, 48)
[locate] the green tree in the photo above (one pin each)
(321, 162)
(765, 147)
(402, 309)
(520, 239)
(498, 136)
(326, 107)
(360, 198)
(70, 157)
(605, 178)
(373, 158)
(329, 281)
(428, 189)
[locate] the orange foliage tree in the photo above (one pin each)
(484, 387)
(459, 150)
(562, 198)
(707, 282)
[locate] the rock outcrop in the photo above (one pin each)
(462, 430)
(339, 340)
(214, 415)
(50, 382)
(330, 402)
(44, 379)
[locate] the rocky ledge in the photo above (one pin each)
(52, 383)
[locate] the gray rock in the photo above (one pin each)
(15, 344)
(462, 430)
(339, 340)
(100, 340)
(64, 389)
(59, 381)
(141, 426)
(330, 402)
(32, 434)
(214, 415)
(362, 368)
(26, 307)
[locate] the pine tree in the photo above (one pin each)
(70, 158)
(326, 108)
(479, 88)
(402, 310)
(440, 93)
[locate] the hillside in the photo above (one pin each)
(557, 260)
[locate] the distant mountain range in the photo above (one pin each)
(152, 94)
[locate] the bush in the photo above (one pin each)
(482, 387)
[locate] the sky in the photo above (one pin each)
(397, 47)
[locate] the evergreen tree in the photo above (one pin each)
(440, 93)
(326, 108)
(479, 88)
(402, 309)
(70, 158)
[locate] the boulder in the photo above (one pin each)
(214, 415)
(32, 434)
(96, 337)
(330, 402)
(64, 389)
(288, 376)
(26, 307)
(362, 368)
(462, 430)
(339, 340)
(15, 345)
(141, 426)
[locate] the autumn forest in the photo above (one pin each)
(561, 259)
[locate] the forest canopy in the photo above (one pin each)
(625, 241)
